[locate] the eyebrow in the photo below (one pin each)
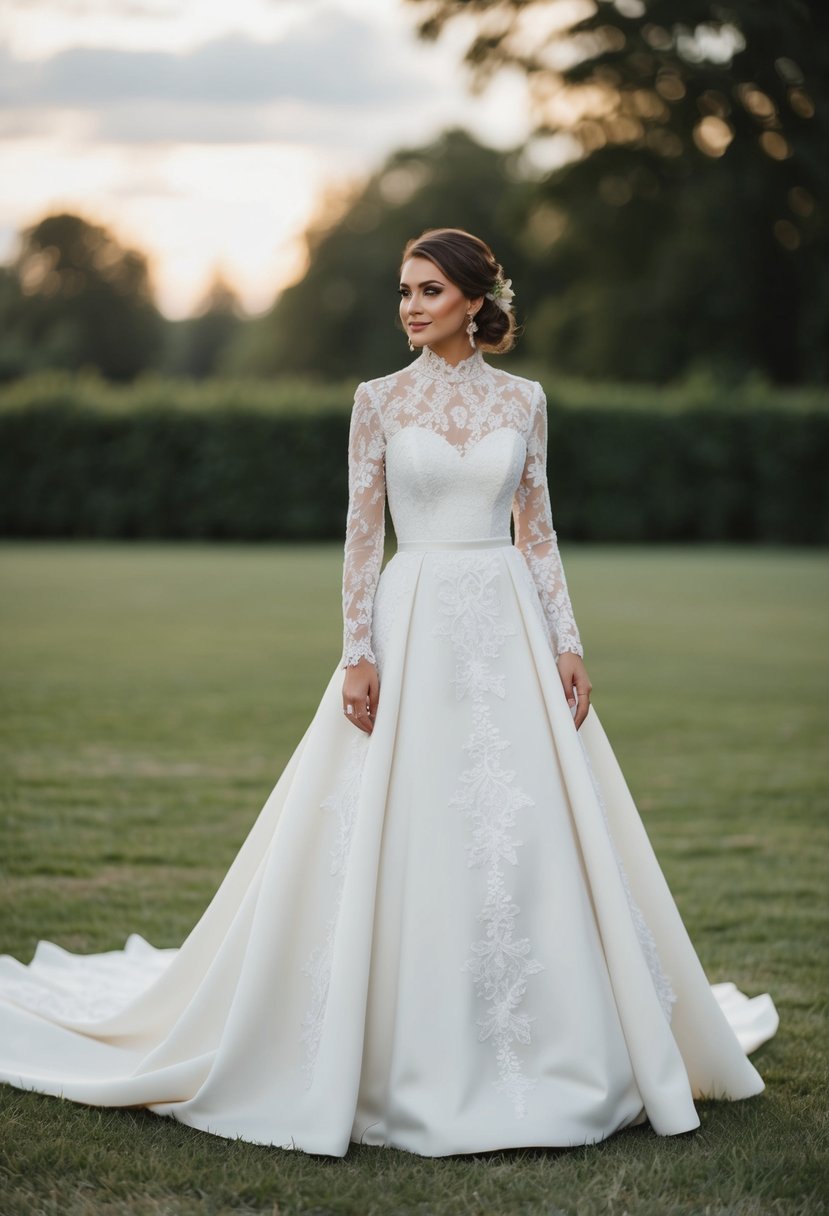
(425, 283)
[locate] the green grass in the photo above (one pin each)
(151, 696)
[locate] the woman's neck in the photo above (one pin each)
(454, 350)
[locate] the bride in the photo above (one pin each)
(446, 931)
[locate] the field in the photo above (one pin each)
(151, 696)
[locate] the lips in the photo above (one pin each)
(418, 324)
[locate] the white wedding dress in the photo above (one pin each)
(450, 935)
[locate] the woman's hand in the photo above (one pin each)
(577, 686)
(361, 689)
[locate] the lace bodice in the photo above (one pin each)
(458, 487)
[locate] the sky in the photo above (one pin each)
(207, 132)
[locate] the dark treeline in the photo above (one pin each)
(204, 463)
(74, 298)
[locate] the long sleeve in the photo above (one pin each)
(365, 526)
(536, 537)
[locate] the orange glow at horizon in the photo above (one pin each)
(208, 168)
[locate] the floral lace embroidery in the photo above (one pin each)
(435, 367)
(647, 942)
(365, 526)
(394, 590)
(535, 536)
(87, 987)
(462, 404)
(343, 803)
(487, 796)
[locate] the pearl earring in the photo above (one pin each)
(411, 344)
(472, 329)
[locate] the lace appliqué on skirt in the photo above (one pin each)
(394, 590)
(63, 986)
(500, 962)
(664, 989)
(343, 803)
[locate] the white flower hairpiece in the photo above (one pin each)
(502, 294)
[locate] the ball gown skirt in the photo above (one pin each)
(449, 936)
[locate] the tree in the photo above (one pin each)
(75, 297)
(690, 224)
(200, 343)
(332, 322)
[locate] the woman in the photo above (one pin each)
(446, 931)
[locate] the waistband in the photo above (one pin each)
(422, 546)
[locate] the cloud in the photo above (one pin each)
(281, 122)
(340, 61)
(95, 8)
(205, 130)
(335, 83)
(37, 29)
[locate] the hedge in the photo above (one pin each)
(196, 464)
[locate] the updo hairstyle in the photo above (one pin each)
(470, 264)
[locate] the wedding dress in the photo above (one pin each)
(450, 935)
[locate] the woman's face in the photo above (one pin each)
(432, 308)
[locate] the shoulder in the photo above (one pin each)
(531, 390)
(519, 388)
(389, 382)
(378, 389)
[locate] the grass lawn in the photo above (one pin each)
(151, 696)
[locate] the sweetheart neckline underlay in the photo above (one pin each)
(414, 426)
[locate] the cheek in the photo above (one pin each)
(442, 306)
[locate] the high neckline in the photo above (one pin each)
(430, 364)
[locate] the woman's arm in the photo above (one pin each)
(363, 557)
(365, 529)
(536, 538)
(365, 526)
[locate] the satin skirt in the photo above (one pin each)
(449, 936)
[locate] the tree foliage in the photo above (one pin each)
(198, 346)
(75, 297)
(690, 226)
(340, 318)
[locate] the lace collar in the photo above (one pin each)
(435, 366)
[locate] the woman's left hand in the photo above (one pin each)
(577, 686)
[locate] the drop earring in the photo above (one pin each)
(411, 344)
(472, 329)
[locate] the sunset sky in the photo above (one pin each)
(204, 131)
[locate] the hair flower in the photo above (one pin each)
(502, 294)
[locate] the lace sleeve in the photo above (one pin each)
(365, 526)
(536, 537)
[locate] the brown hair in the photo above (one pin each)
(471, 265)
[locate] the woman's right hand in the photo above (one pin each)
(361, 690)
